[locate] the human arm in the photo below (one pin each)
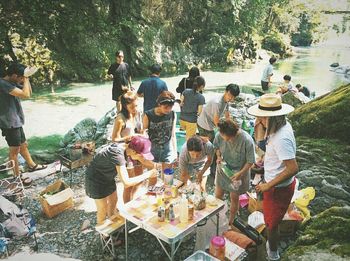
(141, 89)
(206, 166)
(145, 123)
(127, 181)
(173, 136)
(23, 93)
(183, 165)
(181, 87)
(182, 99)
(199, 110)
(291, 168)
(238, 175)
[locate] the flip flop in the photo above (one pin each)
(37, 167)
(26, 181)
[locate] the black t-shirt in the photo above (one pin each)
(306, 91)
(121, 74)
(185, 83)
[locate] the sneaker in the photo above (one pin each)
(272, 255)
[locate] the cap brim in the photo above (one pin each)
(148, 156)
(255, 111)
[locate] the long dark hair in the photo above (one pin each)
(193, 72)
(197, 83)
(126, 99)
(275, 123)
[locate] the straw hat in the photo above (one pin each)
(270, 105)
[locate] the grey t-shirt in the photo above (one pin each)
(215, 106)
(11, 113)
(102, 169)
(189, 164)
(189, 109)
(236, 153)
(268, 71)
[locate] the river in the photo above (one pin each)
(309, 66)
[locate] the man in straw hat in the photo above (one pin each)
(280, 165)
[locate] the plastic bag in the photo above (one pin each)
(303, 200)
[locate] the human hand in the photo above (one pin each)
(199, 176)
(218, 160)
(236, 177)
(153, 173)
(125, 88)
(262, 187)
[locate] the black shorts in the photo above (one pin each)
(264, 85)
(117, 93)
(14, 136)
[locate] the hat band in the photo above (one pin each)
(270, 108)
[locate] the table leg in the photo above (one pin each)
(217, 224)
(126, 239)
(172, 251)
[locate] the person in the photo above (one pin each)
(13, 87)
(128, 121)
(303, 89)
(110, 161)
(267, 75)
(287, 86)
(195, 159)
(191, 106)
(120, 71)
(280, 165)
(160, 123)
(214, 109)
(187, 83)
(151, 88)
(234, 147)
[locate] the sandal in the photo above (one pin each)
(26, 181)
(37, 167)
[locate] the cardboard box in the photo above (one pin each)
(54, 204)
(253, 203)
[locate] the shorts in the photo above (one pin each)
(117, 93)
(164, 153)
(189, 127)
(206, 133)
(96, 190)
(14, 136)
(275, 204)
(264, 85)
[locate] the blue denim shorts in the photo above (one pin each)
(163, 153)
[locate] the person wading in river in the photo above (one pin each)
(280, 165)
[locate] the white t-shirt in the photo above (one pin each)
(267, 72)
(280, 146)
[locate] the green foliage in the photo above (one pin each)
(325, 117)
(277, 43)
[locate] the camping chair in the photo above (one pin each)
(11, 187)
(109, 232)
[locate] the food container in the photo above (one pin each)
(202, 256)
(217, 247)
(168, 177)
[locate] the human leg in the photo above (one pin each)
(26, 155)
(219, 192)
(13, 155)
(101, 205)
(234, 206)
(112, 204)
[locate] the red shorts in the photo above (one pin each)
(275, 204)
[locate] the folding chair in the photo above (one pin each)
(11, 187)
(109, 232)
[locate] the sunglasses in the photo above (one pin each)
(168, 102)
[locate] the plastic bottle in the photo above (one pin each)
(184, 209)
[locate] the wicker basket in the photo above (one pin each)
(53, 210)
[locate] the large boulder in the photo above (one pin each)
(325, 235)
(325, 117)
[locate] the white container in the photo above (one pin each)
(183, 209)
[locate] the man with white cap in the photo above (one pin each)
(280, 165)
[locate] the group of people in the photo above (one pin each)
(287, 84)
(147, 140)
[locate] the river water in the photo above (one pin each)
(310, 67)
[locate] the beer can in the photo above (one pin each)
(174, 191)
(190, 211)
(161, 214)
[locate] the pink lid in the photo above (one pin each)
(218, 241)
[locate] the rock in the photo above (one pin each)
(291, 99)
(85, 225)
(334, 65)
(335, 191)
